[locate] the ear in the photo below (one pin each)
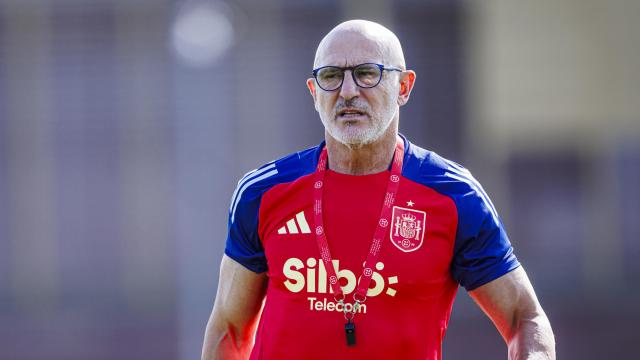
(407, 79)
(311, 85)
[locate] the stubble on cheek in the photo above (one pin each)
(366, 129)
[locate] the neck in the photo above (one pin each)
(362, 159)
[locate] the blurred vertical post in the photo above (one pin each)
(146, 160)
(201, 34)
(30, 156)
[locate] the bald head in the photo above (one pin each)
(357, 41)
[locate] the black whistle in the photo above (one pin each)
(350, 331)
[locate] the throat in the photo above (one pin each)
(358, 166)
(361, 159)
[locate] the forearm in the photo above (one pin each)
(231, 327)
(513, 307)
(225, 343)
(532, 339)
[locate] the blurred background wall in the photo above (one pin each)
(125, 124)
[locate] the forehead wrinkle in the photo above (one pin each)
(344, 60)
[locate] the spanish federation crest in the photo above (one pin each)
(407, 232)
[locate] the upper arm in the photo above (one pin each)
(484, 263)
(482, 251)
(240, 294)
(243, 279)
(243, 242)
(508, 301)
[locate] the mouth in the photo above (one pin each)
(351, 114)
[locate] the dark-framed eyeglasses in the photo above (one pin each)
(367, 75)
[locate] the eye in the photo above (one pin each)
(367, 71)
(329, 73)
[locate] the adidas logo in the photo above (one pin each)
(296, 225)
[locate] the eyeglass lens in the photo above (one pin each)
(366, 75)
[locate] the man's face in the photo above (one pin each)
(351, 114)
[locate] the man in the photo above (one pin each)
(357, 246)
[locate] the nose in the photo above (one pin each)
(349, 88)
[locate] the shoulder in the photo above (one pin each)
(482, 251)
(447, 177)
(255, 183)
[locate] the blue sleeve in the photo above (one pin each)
(482, 251)
(243, 242)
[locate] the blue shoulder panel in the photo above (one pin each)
(243, 243)
(482, 251)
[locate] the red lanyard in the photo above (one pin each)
(360, 295)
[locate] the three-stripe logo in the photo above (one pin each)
(296, 225)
